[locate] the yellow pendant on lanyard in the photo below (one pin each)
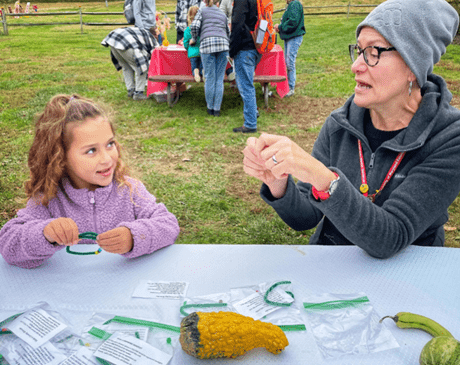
(364, 188)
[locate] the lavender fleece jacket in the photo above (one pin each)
(152, 226)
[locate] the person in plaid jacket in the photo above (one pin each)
(181, 16)
(131, 49)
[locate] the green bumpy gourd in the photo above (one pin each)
(442, 350)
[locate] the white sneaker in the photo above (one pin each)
(290, 93)
(231, 76)
(196, 75)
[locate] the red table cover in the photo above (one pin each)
(173, 60)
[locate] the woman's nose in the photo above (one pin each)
(359, 65)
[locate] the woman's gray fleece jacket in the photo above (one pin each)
(411, 209)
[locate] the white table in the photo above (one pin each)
(419, 280)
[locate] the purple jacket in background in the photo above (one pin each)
(152, 226)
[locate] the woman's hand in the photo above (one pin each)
(254, 165)
(276, 27)
(291, 159)
(117, 240)
(63, 231)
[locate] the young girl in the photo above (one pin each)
(79, 183)
(193, 49)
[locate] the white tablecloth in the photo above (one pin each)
(419, 280)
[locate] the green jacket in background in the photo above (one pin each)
(292, 23)
(192, 50)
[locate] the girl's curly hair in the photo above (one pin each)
(47, 155)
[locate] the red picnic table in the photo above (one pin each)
(170, 65)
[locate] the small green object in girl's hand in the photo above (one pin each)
(85, 235)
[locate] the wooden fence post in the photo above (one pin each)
(81, 20)
(5, 26)
(348, 10)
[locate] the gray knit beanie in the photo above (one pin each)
(420, 30)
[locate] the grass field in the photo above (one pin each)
(190, 161)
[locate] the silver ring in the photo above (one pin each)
(274, 159)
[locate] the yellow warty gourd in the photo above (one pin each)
(227, 334)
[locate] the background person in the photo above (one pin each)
(291, 30)
(182, 7)
(144, 13)
(193, 50)
(245, 57)
(385, 166)
(130, 50)
(78, 183)
(227, 7)
(211, 26)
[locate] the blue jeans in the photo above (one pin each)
(291, 47)
(214, 65)
(245, 64)
(195, 62)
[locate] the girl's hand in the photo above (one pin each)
(63, 231)
(276, 27)
(117, 240)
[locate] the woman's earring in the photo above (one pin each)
(410, 88)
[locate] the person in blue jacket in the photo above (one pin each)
(386, 166)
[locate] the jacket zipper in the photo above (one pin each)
(371, 162)
(92, 200)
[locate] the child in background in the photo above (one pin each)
(79, 183)
(193, 49)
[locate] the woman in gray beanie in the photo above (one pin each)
(386, 165)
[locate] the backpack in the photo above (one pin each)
(264, 35)
(128, 11)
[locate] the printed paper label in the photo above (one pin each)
(83, 356)
(255, 307)
(160, 289)
(36, 327)
(121, 349)
(44, 355)
(142, 332)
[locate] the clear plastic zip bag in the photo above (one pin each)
(39, 335)
(345, 324)
(272, 302)
(101, 326)
(218, 302)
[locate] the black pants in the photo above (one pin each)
(180, 35)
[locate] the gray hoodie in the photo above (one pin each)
(411, 209)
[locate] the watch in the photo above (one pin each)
(323, 195)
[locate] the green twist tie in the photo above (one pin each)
(276, 303)
(89, 236)
(102, 361)
(292, 327)
(141, 322)
(205, 305)
(336, 304)
(9, 319)
(4, 331)
(101, 334)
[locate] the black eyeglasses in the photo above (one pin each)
(371, 54)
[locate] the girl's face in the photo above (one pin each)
(385, 83)
(92, 156)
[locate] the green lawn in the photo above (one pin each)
(190, 161)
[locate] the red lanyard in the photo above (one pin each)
(364, 188)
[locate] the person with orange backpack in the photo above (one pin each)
(246, 57)
(291, 30)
